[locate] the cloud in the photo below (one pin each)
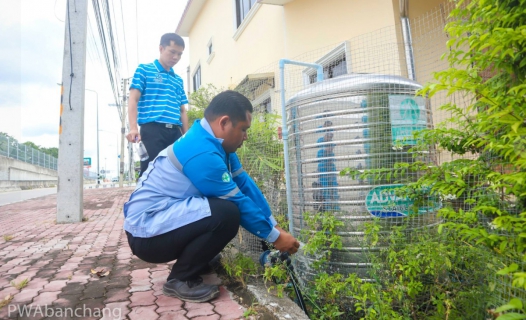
(31, 50)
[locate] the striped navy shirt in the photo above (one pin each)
(162, 94)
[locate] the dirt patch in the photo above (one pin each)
(96, 204)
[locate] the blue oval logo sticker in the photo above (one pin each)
(382, 202)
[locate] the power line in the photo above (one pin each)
(94, 41)
(137, 30)
(115, 26)
(124, 32)
(105, 51)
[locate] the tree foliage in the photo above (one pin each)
(483, 190)
(199, 100)
(13, 144)
(487, 186)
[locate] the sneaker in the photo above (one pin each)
(190, 290)
(212, 265)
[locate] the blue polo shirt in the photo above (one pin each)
(162, 94)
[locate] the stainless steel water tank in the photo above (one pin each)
(361, 121)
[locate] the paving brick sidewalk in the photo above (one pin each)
(57, 259)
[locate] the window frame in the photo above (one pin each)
(240, 26)
(197, 71)
(343, 48)
(210, 50)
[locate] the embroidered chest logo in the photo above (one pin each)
(159, 78)
(225, 177)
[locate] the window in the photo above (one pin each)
(335, 68)
(335, 63)
(242, 9)
(197, 78)
(210, 50)
(264, 107)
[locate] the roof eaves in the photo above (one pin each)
(191, 11)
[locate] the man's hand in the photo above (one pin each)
(286, 242)
(133, 136)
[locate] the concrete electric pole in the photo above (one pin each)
(71, 130)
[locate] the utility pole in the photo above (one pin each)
(123, 129)
(71, 129)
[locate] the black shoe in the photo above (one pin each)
(190, 290)
(212, 265)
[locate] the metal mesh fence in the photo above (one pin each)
(361, 116)
(13, 149)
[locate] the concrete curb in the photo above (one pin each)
(281, 308)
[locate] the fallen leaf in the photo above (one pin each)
(100, 273)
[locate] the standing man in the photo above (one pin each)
(189, 203)
(157, 100)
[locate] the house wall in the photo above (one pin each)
(260, 44)
(306, 30)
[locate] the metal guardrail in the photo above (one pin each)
(11, 148)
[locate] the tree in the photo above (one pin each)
(51, 151)
(199, 100)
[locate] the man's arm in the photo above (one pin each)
(184, 118)
(133, 135)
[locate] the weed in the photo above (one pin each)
(251, 311)
(239, 266)
(21, 284)
(4, 302)
(7, 237)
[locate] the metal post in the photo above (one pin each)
(71, 129)
(123, 130)
(285, 130)
(98, 172)
(408, 42)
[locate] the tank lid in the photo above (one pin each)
(354, 82)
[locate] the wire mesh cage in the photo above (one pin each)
(363, 122)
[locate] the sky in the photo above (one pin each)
(31, 58)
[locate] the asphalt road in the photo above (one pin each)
(17, 196)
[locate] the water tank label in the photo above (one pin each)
(408, 114)
(382, 202)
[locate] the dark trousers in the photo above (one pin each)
(193, 245)
(156, 137)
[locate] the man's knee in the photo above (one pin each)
(227, 212)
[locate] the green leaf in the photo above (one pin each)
(512, 316)
(516, 126)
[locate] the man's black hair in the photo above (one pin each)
(169, 37)
(229, 103)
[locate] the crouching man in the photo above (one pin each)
(190, 201)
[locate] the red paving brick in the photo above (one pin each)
(199, 309)
(57, 260)
(142, 299)
(143, 313)
(172, 315)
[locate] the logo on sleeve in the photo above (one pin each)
(225, 177)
